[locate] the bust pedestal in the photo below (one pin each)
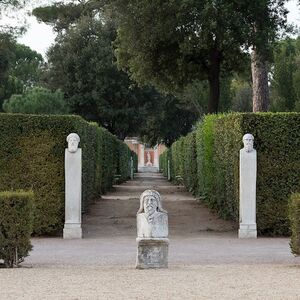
(72, 228)
(152, 241)
(152, 253)
(247, 194)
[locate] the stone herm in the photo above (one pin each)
(73, 182)
(152, 231)
(248, 173)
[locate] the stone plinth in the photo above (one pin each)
(152, 253)
(248, 231)
(72, 231)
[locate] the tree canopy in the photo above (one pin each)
(37, 101)
(171, 43)
(82, 65)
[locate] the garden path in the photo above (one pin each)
(206, 259)
(114, 214)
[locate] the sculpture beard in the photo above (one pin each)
(72, 146)
(248, 146)
(150, 209)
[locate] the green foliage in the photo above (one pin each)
(82, 66)
(190, 159)
(163, 162)
(294, 217)
(169, 44)
(16, 223)
(177, 160)
(7, 48)
(22, 68)
(218, 141)
(27, 65)
(32, 157)
(37, 101)
(62, 15)
(285, 92)
(159, 123)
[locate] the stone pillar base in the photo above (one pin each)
(72, 231)
(152, 253)
(248, 231)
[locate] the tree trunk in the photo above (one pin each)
(260, 88)
(214, 81)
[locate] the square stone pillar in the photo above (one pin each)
(152, 253)
(72, 228)
(248, 166)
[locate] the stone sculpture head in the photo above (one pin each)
(73, 140)
(150, 203)
(248, 142)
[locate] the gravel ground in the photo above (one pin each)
(178, 282)
(206, 259)
(209, 266)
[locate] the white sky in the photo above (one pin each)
(40, 36)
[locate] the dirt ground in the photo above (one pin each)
(206, 259)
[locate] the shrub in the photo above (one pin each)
(16, 223)
(190, 165)
(37, 100)
(294, 217)
(32, 157)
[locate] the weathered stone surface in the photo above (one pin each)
(73, 158)
(248, 162)
(72, 231)
(152, 230)
(152, 253)
(157, 228)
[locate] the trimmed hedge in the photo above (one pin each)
(16, 223)
(294, 216)
(32, 157)
(218, 140)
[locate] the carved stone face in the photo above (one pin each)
(248, 142)
(150, 205)
(73, 141)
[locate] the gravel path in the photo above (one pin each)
(206, 259)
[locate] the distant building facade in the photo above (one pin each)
(148, 158)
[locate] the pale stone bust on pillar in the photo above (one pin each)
(248, 173)
(152, 220)
(73, 158)
(152, 232)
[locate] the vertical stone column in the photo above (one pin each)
(142, 156)
(156, 157)
(131, 168)
(73, 169)
(248, 166)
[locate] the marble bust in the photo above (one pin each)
(248, 142)
(152, 219)
(73, 140)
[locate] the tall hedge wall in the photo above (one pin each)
(214, 148)
(32, 157)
